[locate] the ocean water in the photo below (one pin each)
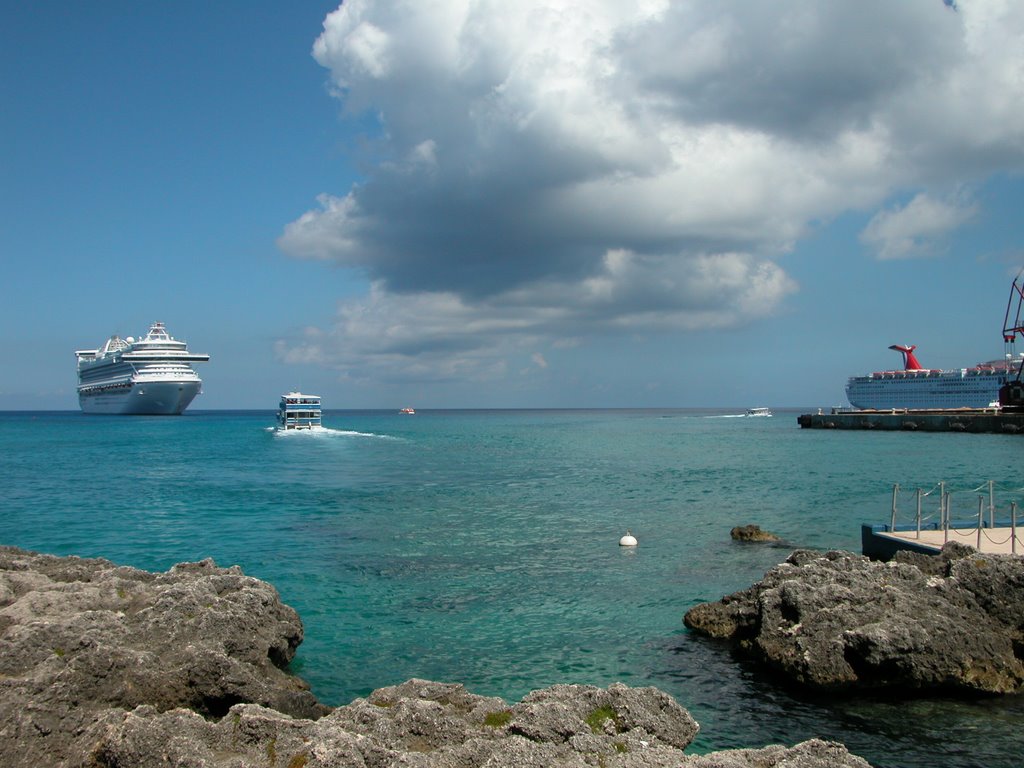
(481, 547)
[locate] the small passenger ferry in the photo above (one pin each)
(298, 411)
(758, 412)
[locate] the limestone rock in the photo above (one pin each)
(813, 753)
(80, 637)
(423, 724)
(841, 621)
(752, 533)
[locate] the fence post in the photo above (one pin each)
(945, 518)
(919, 513)
(895, 492)
(981, 517)
(991, 505)
(1013, 527)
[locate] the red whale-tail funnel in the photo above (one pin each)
(909, 361)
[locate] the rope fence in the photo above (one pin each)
(989, 523)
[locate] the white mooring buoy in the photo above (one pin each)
(629, 540)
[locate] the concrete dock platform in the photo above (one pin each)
(975, 420)
(881, 543)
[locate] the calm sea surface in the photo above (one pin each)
(481, 547)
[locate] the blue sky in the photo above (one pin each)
(483, 204)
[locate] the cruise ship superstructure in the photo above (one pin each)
(918, 388)
(151, 375)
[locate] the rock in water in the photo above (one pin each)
(841, 621)
(751, 533)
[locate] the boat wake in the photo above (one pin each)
(321, 433)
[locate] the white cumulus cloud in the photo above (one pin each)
(914, 229)
(547, 170)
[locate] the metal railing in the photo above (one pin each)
(982, 528)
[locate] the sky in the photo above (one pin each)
(529, 204)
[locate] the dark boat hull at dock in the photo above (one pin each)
(988, 420)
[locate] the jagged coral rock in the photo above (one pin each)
(423, 724)
(83, 636)
(841, 621)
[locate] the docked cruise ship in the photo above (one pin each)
(151, 375)
(918, 388)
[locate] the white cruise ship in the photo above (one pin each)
(152, 375)
(919, 388)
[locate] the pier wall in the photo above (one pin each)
(882, 542)
(960, 420)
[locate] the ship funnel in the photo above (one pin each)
(909, 361)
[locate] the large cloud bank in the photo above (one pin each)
(546, 170)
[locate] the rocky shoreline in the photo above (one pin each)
(919, 624)
(106, 666)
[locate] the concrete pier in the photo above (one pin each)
(881, 542)
(990, 420)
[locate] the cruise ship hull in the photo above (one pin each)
(922, 393)
(918, 388)
(165, 398)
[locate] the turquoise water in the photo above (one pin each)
(482, 546)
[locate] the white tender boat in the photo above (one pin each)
(298, 411)
(758, 412)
